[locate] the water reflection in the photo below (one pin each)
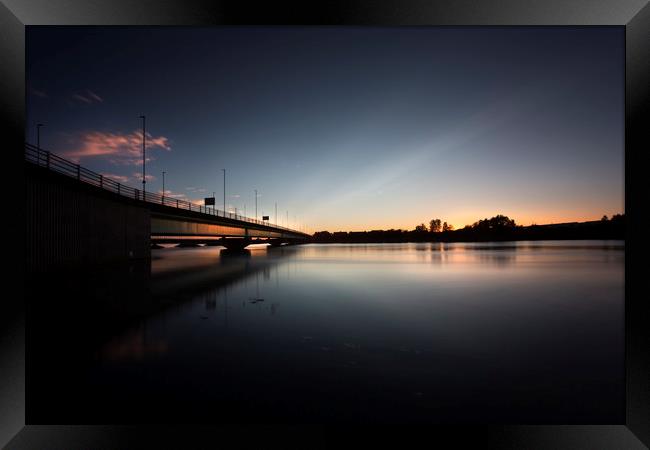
(133, 345)
(497, 332)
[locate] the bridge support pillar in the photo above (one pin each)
(187, 244)
(236, 243)
(275, 242)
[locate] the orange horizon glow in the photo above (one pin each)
(461, 222)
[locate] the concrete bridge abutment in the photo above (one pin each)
(72, 224)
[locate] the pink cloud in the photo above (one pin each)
(94, 96)
(81, 98)
(119, 178)
(172, 194)
(138, 177)
(88, 97)
(118, 148)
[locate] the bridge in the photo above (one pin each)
(77, 215)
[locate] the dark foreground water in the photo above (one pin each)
(526, 332)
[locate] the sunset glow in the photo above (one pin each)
(345, 129)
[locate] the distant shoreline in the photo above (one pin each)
(595, 230)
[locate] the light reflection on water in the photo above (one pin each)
(526, 332)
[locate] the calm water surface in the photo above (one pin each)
(526, 332)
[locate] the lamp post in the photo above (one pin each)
(144, 140)
(224, 190)
(163, 195)
(255, 204)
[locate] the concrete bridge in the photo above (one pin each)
(77, 216)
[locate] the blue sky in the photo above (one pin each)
(346, 128)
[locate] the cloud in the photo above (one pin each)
(172, 194)
(88, 97)
(81, 98)
(119, 178)
(138, 176)
(117, 148)
(38, 93)
(94, 96)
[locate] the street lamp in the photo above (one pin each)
(224, 191)
(144, 139)
(163, 195)
(255, 204)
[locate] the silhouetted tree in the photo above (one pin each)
(618, 218)
(446, 227)
(422, 228)
(434, 225)
(496, 223)
(604, 218)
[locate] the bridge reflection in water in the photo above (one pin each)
(394, 333)
(77, 319)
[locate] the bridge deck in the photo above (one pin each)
(169, 216)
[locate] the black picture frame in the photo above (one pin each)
(634, 15)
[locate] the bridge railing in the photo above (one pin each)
(48, 160)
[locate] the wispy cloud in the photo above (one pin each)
(117, 148)
(88, 97)
(135, 177)
(172, 194)
(94, 96)
(81, 98)
(38, 93)
(119, 178)
(138, 176)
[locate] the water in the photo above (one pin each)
(525, 332)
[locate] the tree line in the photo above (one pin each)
(497, 228)
(435, 226)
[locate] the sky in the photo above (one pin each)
(345, 128)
